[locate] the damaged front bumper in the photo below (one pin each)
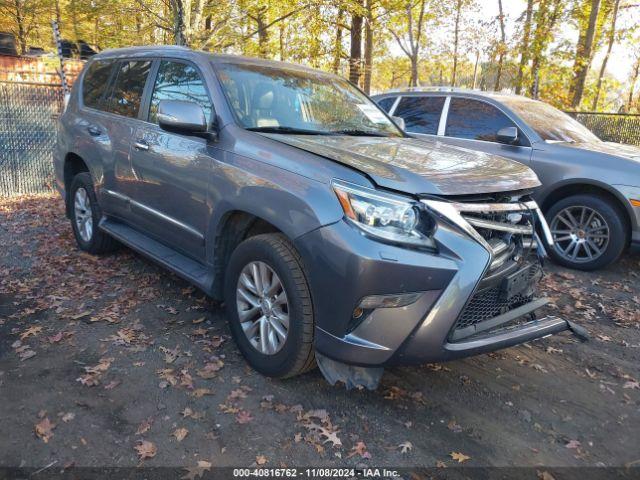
(476, 291)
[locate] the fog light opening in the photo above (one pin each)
(388, 301)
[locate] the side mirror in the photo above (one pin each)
(181, 117)
(399, 122)
(507, 135)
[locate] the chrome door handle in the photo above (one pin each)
(93, 131)
(141, 145)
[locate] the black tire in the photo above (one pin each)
(610, 213)
(99, 242)
(296, 355)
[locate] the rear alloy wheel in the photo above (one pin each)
(588, 232)
(85, 214)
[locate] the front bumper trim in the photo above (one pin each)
(515, 335)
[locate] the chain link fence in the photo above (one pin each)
(28, 114)
(611, 127)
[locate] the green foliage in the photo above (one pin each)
(411, 41)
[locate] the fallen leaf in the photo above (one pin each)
(146, 449)
(197, 471)
(573, 444)
(144, 426)
(180, 433)
(459, 457)
(32, 331)
(67, 417)
(44, 429)
(201, 392)
(261, 459)
(405, 447)
(198, 320)
(112, 384)
(632, 384)
(243, 417)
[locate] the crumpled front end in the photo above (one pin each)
(477, 291)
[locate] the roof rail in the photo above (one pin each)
(434, 88)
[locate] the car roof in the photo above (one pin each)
(179, 51)
(444, 91)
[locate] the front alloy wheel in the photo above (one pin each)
(268, 302)
(263, 308)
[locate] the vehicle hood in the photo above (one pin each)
(418, 166)
(618, 149)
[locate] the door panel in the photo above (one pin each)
(172, 170)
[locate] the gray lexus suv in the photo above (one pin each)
(287, 193)
(590, 190)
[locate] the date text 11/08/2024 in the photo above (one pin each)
(346, 473)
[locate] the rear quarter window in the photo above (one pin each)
(95, 83)
(128, 87)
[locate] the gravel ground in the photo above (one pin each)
(111, 361)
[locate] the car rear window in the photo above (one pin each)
(420, 114)
(128, 87)
(95, 83)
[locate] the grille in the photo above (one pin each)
(489, 303)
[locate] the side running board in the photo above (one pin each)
(181, 265)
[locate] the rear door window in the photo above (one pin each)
(475, 120)
(126, 96)
(420, 114)
(386, 103)
(95, 83)
(179, 81)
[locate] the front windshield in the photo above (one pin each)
(282, 100)
(549, 122)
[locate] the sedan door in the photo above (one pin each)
(474, 124)
(173, 170)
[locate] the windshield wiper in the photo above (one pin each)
(354, 132)
(291, 130)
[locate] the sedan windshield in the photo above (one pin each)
(549, 122)
(282, 100)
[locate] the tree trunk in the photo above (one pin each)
(414, 80)
(456, 42)
(475, 70)
(584, 55)
(634, 79)
(355, 56)
(178, 22)
(337, 46)
(605, 60)
(368, 49)
(263, 33)
(22, 34)
(524, 49)
(503, 42)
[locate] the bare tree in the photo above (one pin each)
(456, 42)
(355, 55)
(584, 55)
(605, 60)
(412, 43)
(524, 47)
(502, 46)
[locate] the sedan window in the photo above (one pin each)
(475, 120)
(386, 103)
(420, 114)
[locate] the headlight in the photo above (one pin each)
(388, 217)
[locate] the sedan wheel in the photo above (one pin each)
(580, 234)
(263, 308)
